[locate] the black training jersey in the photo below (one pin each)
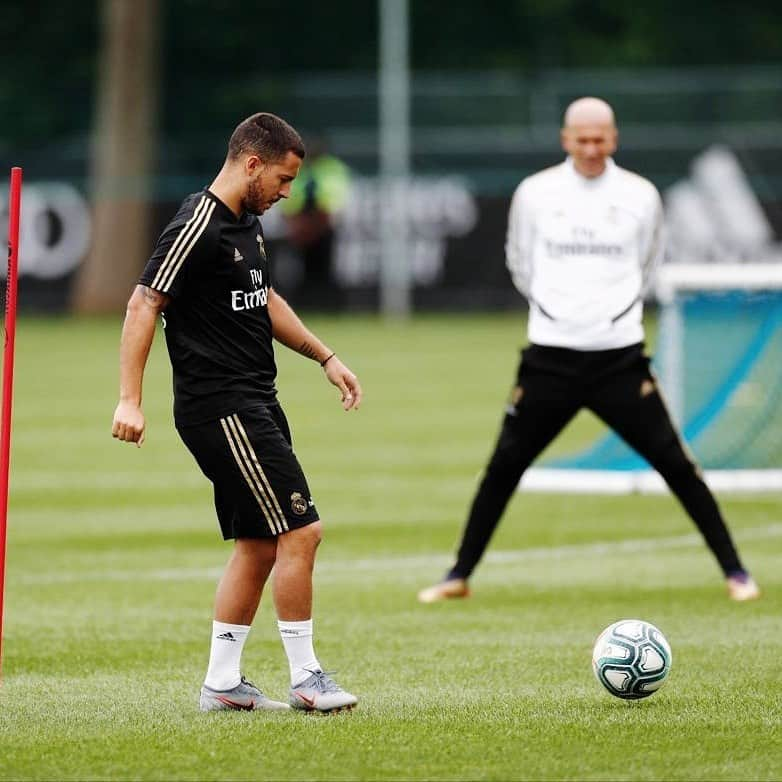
(213, 265)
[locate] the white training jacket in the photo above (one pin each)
(582, 252)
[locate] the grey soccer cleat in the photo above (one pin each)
(320, 692)
(244, 697)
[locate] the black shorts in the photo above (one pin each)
(259, 487)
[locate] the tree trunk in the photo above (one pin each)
(122, 156)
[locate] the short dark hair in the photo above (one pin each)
(265, 135)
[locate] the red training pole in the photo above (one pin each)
(8, 375)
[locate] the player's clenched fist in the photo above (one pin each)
(128, 423)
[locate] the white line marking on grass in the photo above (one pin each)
(347, 567)
(42, 480)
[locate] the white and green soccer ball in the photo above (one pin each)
(631, 659)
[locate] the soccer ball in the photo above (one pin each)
(631, 659)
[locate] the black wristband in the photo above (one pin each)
(327, 359)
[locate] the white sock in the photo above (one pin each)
(297, 640)
(225, 656)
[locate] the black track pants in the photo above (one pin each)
(553, 384)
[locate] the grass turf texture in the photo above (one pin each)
(114, 553)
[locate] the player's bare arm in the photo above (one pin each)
(288, 329)
(138, 331)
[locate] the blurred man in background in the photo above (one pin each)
(209, 279)
(318, 195)
(583, 240)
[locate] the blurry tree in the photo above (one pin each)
(122, 156)
(47, 68)
(219, 54)
(533, 34)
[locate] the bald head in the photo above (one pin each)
(589, 135)
(589, 111)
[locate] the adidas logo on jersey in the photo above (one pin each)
(238, 256)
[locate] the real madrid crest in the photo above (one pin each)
(298, 504)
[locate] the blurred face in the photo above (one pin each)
(269, 182)
(589, 145)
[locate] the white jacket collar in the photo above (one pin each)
(605, 176)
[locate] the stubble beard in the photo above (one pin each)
(253, 201)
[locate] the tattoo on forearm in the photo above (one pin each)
(307, 350)
(152, 297)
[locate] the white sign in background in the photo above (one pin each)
(54, 229)
(436, 209)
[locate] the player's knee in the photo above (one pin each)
(315, 531)
(509, 460)
(675, 465)
(308, 537)
(503, 470)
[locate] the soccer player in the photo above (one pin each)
(583, 239)
(209, 279)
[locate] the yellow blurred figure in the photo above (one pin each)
(318, 195)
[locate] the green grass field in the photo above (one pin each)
(114, 553)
